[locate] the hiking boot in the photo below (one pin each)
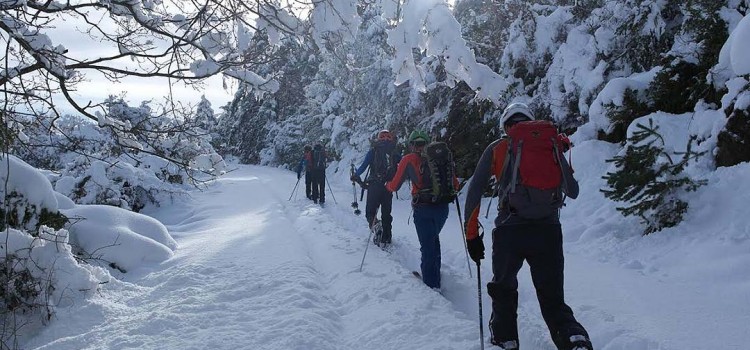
(580, 342)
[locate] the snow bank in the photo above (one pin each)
(26, 180)
(115, 235)
(740, 47)
(51, 252)
(47, 263)
(613, 94)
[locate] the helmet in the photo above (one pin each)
(418, 136)
(384, 135)
(308, 148)
(515, 113)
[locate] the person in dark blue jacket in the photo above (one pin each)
(382, 159)
(306, 164)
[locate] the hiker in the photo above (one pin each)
(531, 187)
(434, 186)
(382, 160)
(306, 164)
(318, 173)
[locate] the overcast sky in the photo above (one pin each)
(97, 88)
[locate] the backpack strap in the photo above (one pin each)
(516, 165)
(557, 157)
(504, 174)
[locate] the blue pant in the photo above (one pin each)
(429, 220)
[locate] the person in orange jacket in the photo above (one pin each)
(429, 217)
(525, 233)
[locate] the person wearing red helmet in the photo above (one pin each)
(533, 179)
(381, 159)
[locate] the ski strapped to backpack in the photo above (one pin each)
(536, 177)
(437, 172)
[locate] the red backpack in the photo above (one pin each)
(536, 177)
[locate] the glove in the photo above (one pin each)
(355, 178)
(565, 141)
(476, 248)
(299, 175)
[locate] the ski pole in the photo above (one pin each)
(365, 254)
(489, 205)
(330, 190)
(294, 190)
(479, 295)
(463, 232)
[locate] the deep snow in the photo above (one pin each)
(255, 271)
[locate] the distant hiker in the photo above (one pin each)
(319, 162)
(532, 180)
(306, 164)
(382, 159)
(430, 168)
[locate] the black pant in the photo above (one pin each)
(378, 196)
(318, 185)
(541, 246)
(308, 184)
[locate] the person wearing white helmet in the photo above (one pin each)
(533, 179)
(514, 114)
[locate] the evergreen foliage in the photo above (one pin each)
(734, 140)
(468, 131)
(683, 81)
(622, 116)
(22, 215)
(204, 115)
(649, 182)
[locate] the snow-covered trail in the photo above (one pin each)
(256, 271)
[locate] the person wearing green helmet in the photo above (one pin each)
(429, 215)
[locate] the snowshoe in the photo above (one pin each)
(508, 345)
(377, 232)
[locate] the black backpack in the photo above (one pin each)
(437, 174)
(318, 158)
(383, 164)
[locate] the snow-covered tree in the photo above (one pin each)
(95, 168)
(649, 180)
(204, 115)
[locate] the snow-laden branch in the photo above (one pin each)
(429, 26)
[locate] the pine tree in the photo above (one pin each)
(649, 181)
(204, 115)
